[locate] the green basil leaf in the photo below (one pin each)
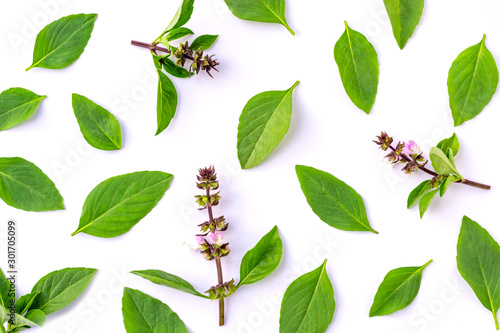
(5, 299)
(264, 121)
(171, 68)
(24, 186)
(145, 314)
(478, 258)
(358, 66)
(451, 142)
(168, 280)
(308, 303)
(442, 163)
(118, 203)
(425, 201)
(3, 317)
(404, 16)
(418, 192)
(446, 183)
(33, 318)
(17, 105)
(472, 81)
(24, 302)
(181, 17)
(59, 288)
(203, 42)
(178, 33)
(335, 202)
(62, 42)
(398, 290)
(99, 127)
(167, 98)
(267, 11)
(262, 259)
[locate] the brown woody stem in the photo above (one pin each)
(155, 47)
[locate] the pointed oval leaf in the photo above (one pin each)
(145, 314)
(262, 259)
(24, 302)
(178, 33)
(181, 17)
(404, 16)
(472, 81)
(398, 290)
(17, 105)
(24, 186)
(442, 163)
(118, 203)
(62, 42)
(203, 42)
(418, 192)
(99, 127)
(171, 68)
(478, 258)
(308, 304)
(5, 299)
(267, 11)
(168, 280)
(451, 142)
(33, 318)
(358, 66)
(60, 288)
(263, 123)
(335, 202)
(425, 201)
(3, 317)
(166, 103)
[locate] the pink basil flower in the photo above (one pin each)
(215, 238)
(211, 238)
(411, 148)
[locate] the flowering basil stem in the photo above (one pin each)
(172, 59)
(256, 264)
(442, 159)
(210, 240)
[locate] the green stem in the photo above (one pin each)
(289, 29)
(495, 318)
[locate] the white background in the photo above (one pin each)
(327, 132)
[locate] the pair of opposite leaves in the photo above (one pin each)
(472, 78)
(255, 265)
(98, 126)
(308, 304)
(51, 293)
